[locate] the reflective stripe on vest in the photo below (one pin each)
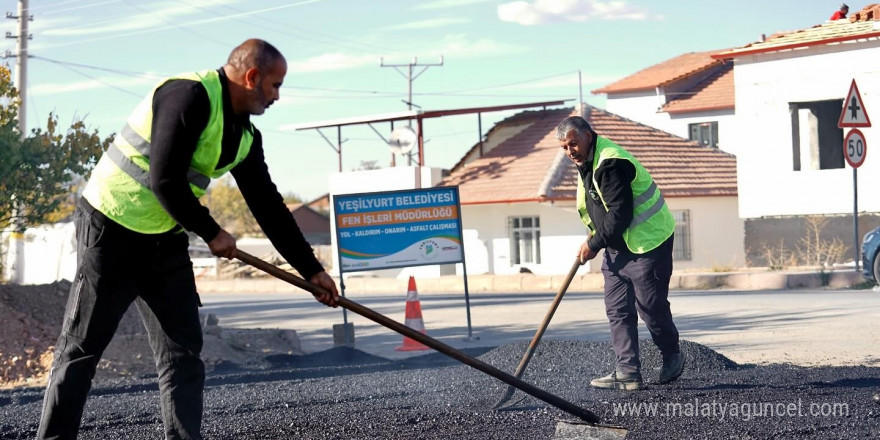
(141, 175)
(652, 222)
(119, 186)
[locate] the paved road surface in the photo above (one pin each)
(803, 327)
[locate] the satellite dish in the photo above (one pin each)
(402, 140)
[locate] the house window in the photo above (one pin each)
(681, 246)
(816, 140)
(525, 239)
(706, 133)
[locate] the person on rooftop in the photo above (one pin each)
(841, 13)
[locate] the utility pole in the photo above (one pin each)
(409, 81)
(15, 257)
(409, 74)
(581, 95)
(21, 57)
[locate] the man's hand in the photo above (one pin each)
(223, 245)
(585, 253)
(323, 279)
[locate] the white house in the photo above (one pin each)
(690, 96)
(790, 92)
(518, 197)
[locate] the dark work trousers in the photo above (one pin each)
(639, 283)
(116, 267)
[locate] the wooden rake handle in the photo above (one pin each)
(458, 355)
(533, 345)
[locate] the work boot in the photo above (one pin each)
(619, 381)
(672, 368)
(877, 398)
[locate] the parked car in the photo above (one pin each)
(871, 255)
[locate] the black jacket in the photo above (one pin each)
(614, 177)
(180, 113)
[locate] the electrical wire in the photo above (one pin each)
(103, 69)
(511, 84)
(58, 11)
(180, 28)
(191, 23)
(94, 78)
(323, 37)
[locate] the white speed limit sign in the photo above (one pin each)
(854, 148)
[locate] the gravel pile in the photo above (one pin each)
(348, 394)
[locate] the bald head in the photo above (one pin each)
(254, 54)
(255, 70)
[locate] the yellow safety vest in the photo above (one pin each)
(652, 221)
(120, 183)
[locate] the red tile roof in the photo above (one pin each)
(514, 170)
(530, 166)
(713, 93)
(831, 32)
(663, 73)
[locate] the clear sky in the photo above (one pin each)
(96, 59)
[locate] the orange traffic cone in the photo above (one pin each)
(413, 319)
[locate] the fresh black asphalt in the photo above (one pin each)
(345, 393)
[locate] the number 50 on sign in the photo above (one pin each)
(855, 148)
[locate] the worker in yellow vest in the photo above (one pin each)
(626, 215)
(131, 225)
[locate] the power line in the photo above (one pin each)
(324, 39)
(57, 11)
(181, 28)
(513, 83)
(74, 70)
(103, 69)
(191, 23)
(374, 94)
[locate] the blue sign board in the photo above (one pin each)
(386, 230)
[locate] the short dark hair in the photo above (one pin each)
(254, 53)
(572, 123)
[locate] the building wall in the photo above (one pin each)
(678, 124)
(765, 85)
(717, 236)
(717, 232)
(486, 234)
(643, 107)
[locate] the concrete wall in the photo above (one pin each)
(41, 255)
(785, 234)
(763, 136)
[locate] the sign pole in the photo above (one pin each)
(856, 216)
(467, 297)
(348, 341)
(855, 148)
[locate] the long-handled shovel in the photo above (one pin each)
(558, 402)
(540, 333)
